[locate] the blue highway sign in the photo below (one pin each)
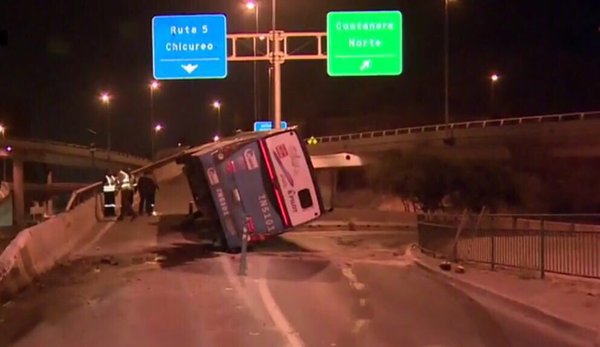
(266, 125)
(189, 46)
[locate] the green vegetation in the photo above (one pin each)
(434, 183)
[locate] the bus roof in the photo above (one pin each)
(241, 137)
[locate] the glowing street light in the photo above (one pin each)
(216, 138)
(157, 129)
(105, 98)
(251, 5)
(217, 105)
(494, 77)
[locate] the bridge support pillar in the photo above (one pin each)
(18, 193)
(327, 180)
(49, 207)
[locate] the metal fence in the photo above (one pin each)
(487, 123)
(531, 242)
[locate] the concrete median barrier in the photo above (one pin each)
(37, 249)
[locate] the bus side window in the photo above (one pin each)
(305, 198)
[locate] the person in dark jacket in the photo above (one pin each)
(147, 187)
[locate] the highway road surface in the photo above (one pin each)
(148, 283)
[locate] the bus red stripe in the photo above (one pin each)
(282, 207)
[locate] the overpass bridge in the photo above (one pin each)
(67, 154)
(49, 152)
(570, 135)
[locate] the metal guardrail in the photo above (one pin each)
(83, 194)
(577, 116)
(546, 247)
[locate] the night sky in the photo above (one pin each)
(61, 54)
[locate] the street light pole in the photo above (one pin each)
(153, 87)
(493, 80)
(446, 45)
(105, 98)
(253, 6)
(276, 62)
(3, 133)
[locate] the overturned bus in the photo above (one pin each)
(258, 183)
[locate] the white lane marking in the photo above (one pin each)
(347, 271)
(359, 324)
(281, 323)
(277, 316)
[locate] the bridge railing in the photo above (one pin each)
(74, 146)
(577, 116)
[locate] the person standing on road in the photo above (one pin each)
(126, 185)
(147, 187)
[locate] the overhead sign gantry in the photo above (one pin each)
(367, 43)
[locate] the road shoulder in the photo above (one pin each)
(571, 305)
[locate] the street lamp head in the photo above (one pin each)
(158, 128)
(251, 5)
(154, 85)
(494, 77)
(216, 138)
(216, 104)
(105, 98)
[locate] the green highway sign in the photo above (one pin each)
(364, 43)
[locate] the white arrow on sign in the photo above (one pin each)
(189, 68)
(365, 65)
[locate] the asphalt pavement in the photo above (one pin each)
(148, 283)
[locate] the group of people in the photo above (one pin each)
(127, 184)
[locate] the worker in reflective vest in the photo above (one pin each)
(127, 186)
(109, 188)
